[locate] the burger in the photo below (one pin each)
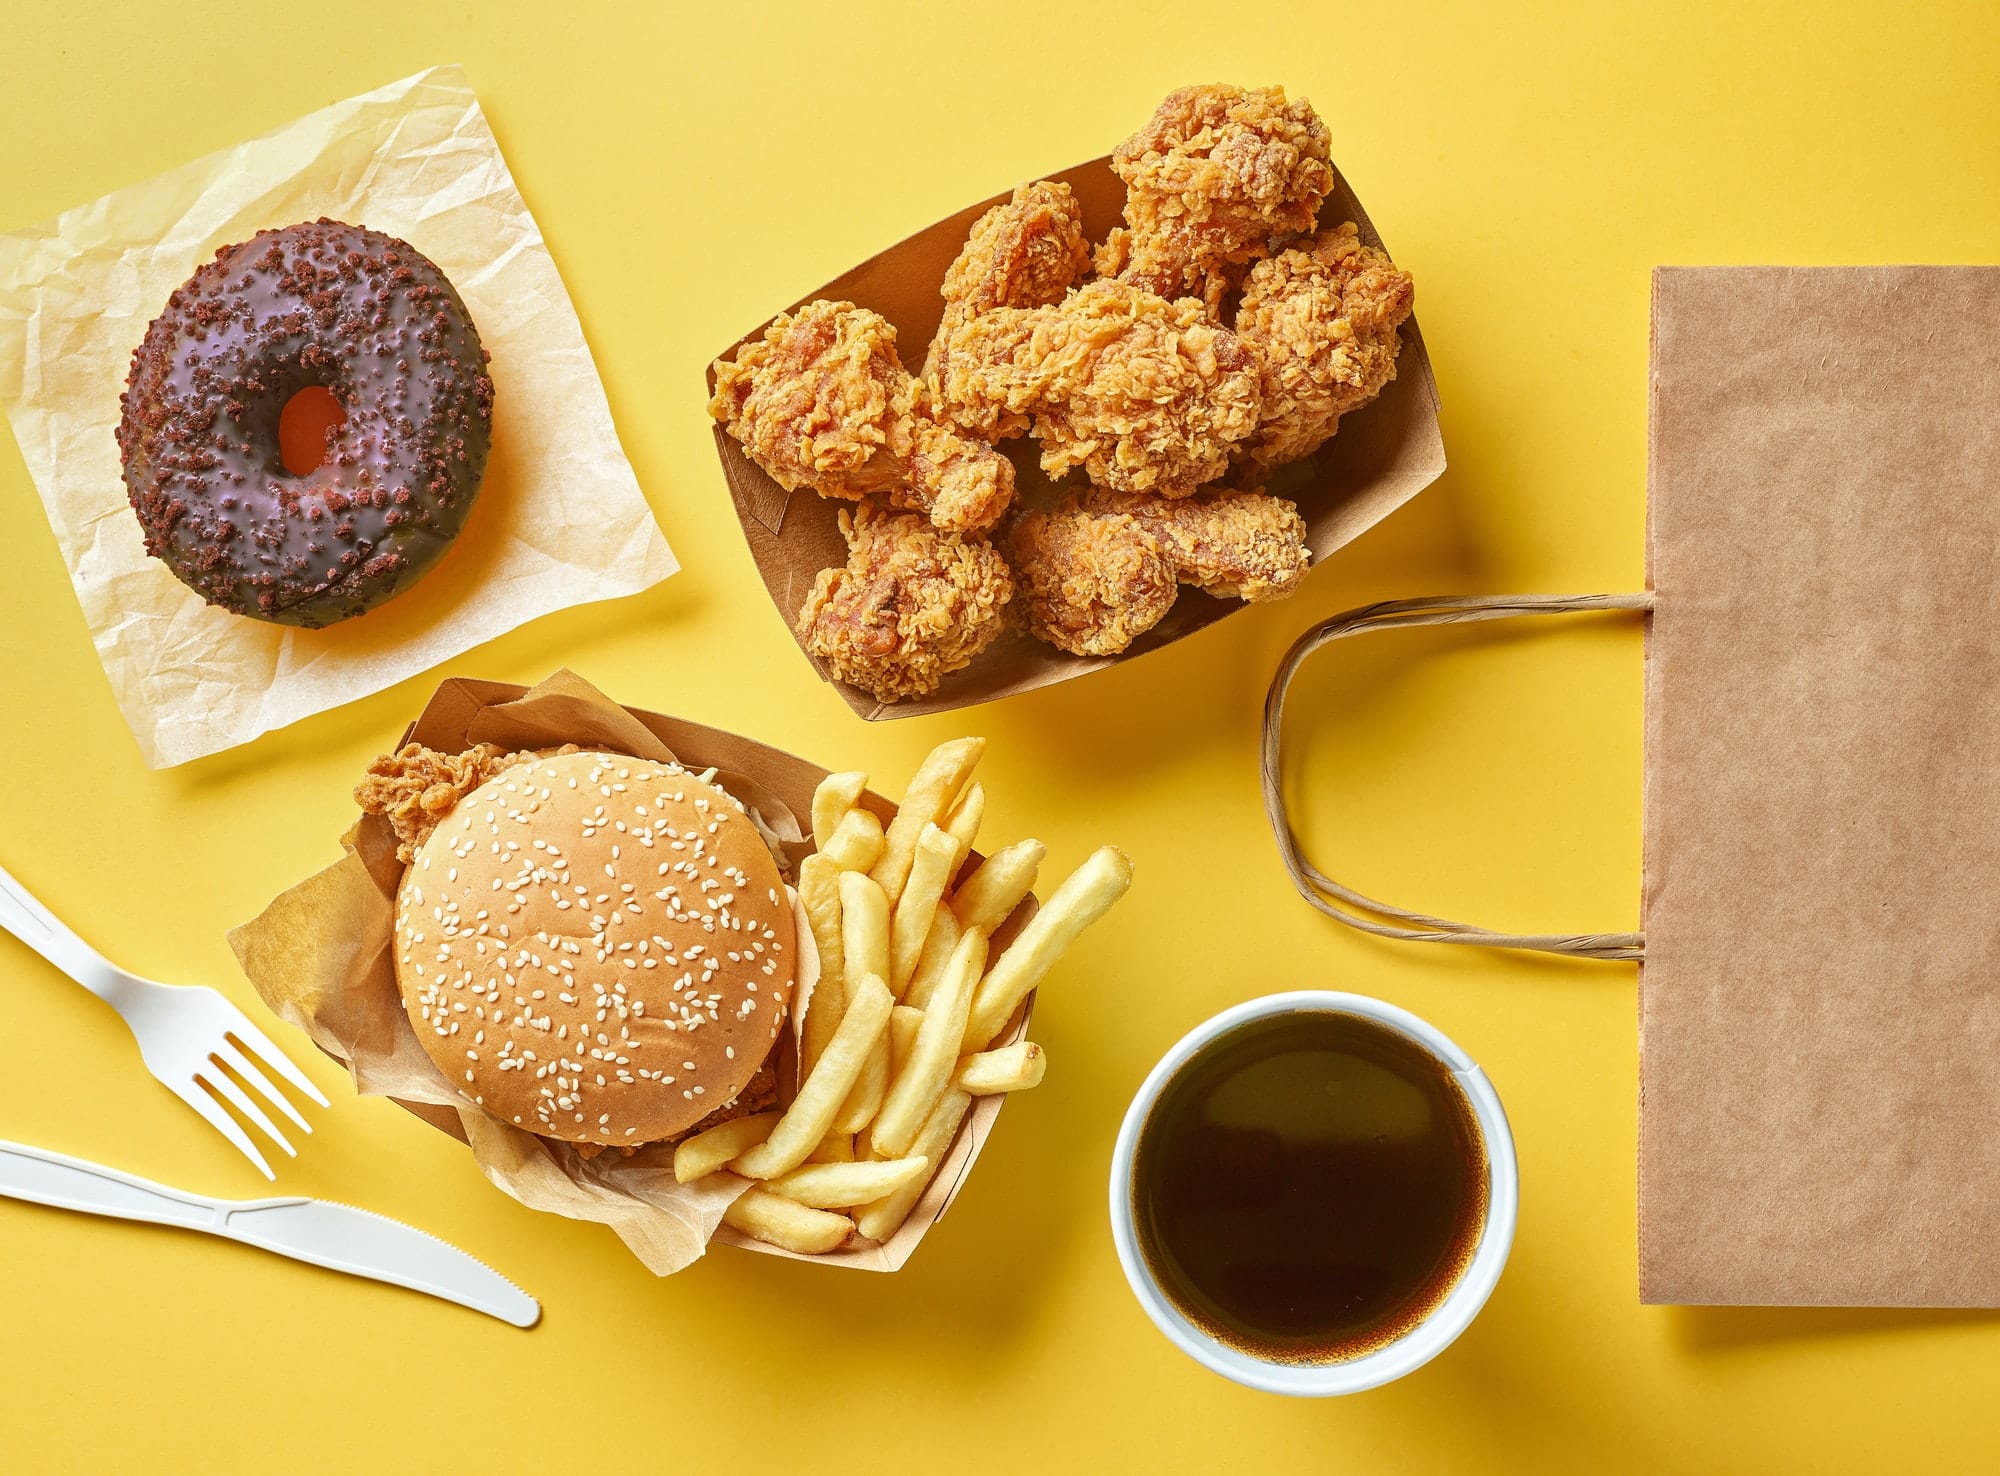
(594, 948)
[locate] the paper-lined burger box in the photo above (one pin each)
(321, 956)
(1384, 455)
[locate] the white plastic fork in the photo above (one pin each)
(184, 1031)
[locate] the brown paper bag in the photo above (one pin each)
(1384, 455)
(1820, 995)
(320, 957)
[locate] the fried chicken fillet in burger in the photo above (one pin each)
(593, 948)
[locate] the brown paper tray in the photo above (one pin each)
(461, 713)
(1384, 455)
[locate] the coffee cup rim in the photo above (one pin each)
(1446, 1321)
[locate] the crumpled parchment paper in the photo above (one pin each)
(560, 520)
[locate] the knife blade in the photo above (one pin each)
(339, 1237)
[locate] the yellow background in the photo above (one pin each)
(695, 167)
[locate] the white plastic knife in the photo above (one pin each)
(336, 1236)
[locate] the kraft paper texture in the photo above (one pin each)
(320, 957)
(1820, 1000)
(1385, 454)
(560, 519)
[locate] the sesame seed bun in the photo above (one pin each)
(596, 948)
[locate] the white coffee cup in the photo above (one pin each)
(1446, 1321)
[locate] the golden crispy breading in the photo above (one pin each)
(823, 401)
(1090, 584)
(1215, 178)
(1323, 317)
(1113, 259)
(416, 787)
(1025, 253)
(1144, 394)
(1245, 545)
(911, 605)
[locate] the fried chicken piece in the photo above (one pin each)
(1103, 568)
(823, 401)
(1090, 583)
(416, 787)
(1245, 545)
(1144, 394)
(1112, 261)
(1323, 317)
(1215, 178)
(911, 606)
(1025, 253)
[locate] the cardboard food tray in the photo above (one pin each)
(1385, 454)
(564, 708)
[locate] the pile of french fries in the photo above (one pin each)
(897, 1038)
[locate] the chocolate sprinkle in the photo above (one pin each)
(375, 322)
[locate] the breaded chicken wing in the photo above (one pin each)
(1245, 545)
(1025, 253)
(1217, 176)
(823, 401)
(415, 787)
(1144, 394)
(1090, 583)
(1323, 318)
(911, 605)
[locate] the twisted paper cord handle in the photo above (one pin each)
(1322, 890)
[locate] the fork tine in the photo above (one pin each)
(258, 1082)
(223, 1123)
(217, 1081)
(276, 1059)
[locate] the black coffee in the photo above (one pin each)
(1309, 1187)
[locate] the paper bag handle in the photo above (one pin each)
(1349, 906)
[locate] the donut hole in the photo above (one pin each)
(309, 418)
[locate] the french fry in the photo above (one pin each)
(776, 1220)
(825, 1087)
(932, 790)
(864, 1098)
(839, 1185)
(836, 795)
(917, 908)
(1011, 1068)
(990, 895)
(704, 1153)
(883, 1218)
(864, 941)
(962, 824)
(938, 944)
(904, 1023)
(1085, 895)
(856, 842)
(819, 895)
(897, 1041)
(833, 1148)
(864, 927)
(934, 1053)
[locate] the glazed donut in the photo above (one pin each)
(372, 320)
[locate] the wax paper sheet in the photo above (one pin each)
(560, 520)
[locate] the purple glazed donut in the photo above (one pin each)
(373, 321)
